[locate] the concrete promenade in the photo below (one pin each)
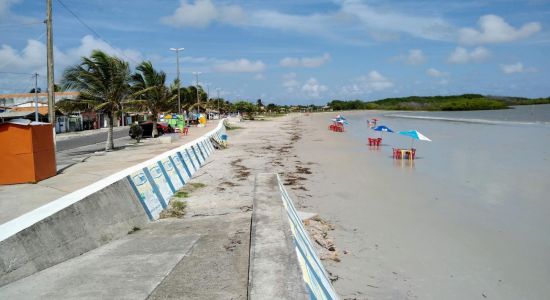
(16, 200)
(204, 255)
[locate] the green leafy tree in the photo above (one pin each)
(103, 83)
(148, 86)
(245, 107)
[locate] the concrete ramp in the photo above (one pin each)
(129, 268)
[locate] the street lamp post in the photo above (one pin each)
(197, 88)
(178, 75)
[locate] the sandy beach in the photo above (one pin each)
(393, 239)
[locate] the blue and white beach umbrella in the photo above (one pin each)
(340, 119)
(382, 128)
(415, 135)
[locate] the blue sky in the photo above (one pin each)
(299, 52)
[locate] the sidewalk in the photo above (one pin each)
(16, 200)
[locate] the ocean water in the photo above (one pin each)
(483, 184)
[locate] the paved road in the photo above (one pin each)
(80, 141)
(74, 149)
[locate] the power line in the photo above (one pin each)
(79, 19)
(21, 24)
(93, 31)
(15, 73)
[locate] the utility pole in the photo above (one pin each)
(36, 97)
(178, 75)
(51, 95)
(197, 88)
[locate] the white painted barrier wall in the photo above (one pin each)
(314, 274)
(157, 180)
(103, 211)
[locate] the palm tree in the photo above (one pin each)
(152, 93)
(103, 83)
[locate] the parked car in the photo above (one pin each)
(162, 128)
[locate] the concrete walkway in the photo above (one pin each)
(204, 255)
(16, 200)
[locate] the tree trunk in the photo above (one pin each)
(155, 130)
(110, 145)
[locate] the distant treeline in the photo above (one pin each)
(438, 103)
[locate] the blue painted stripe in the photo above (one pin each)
(209, 144)
(325, 291)
(141, 200)
(184, 165)
(168, 179)
(206, 148)
(177, 170)
(310, 292)
(155, 187)
(201, 150)
(195, 152)
(190, 159)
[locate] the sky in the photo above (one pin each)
(295, 52)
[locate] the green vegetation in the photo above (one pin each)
(181, 194)
(176, 209)
(103, 83)
(150, 92)
(438, 103)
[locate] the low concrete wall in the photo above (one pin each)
(283, 263)
(103, 211)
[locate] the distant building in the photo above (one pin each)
(27, 99)
(25, 102)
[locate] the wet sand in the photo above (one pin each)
(412, 233)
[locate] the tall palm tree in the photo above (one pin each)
(149, 86)
(103, 83)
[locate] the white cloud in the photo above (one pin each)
(386, 20)
(313, 88)
(240, 66)
(203, 12)
(414, 57)
(289, 82)
(516, 68)
(463, 56)
(32, 59)
(436, 73)
(372, 82)
(307, 62)
(494, 29)
(341, 24)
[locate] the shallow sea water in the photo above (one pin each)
(483, 184)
